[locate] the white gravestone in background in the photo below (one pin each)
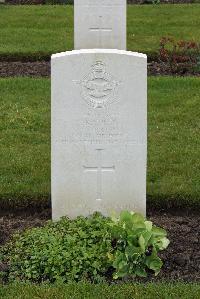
(100, 24)
(99, 128)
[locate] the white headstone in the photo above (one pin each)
(99, 132)
(100, 24)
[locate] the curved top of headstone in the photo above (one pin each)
(99, 51)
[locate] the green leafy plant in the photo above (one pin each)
(137, 242)
(92, 248)
(66, 250)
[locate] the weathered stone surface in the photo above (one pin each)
(99, 128)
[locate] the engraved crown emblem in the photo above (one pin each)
(98, 67)
(98, 87)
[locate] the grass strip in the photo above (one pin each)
(35, 32)
(104, 291)
(173, 174)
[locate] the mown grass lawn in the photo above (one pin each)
(173, 141)
(102, 291)
(39, 31)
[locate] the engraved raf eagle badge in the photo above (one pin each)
(98, 87)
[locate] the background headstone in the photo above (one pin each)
(100, 24)
(99, 128)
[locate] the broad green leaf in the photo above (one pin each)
(156, 266)
(118, 258)
(157, 231)
(154, 263)
(136, 217)
(125, 216)
(163, 244)
(122, 265)
(140, 272)
(146, 235)
(141, 242)
(138, 226)
(132, 239)
(118, 232)
(148, 225)
(131, 250)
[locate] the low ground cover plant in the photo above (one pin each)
(180, 55)
(93, 248)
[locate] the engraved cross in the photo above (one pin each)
(99, 29)
(99, 169)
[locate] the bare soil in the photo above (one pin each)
(159, 68)
(25, 69)
(181, 259)
(43, 69)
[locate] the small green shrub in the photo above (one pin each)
(181, 56)
(92, 248)
(137, 242)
